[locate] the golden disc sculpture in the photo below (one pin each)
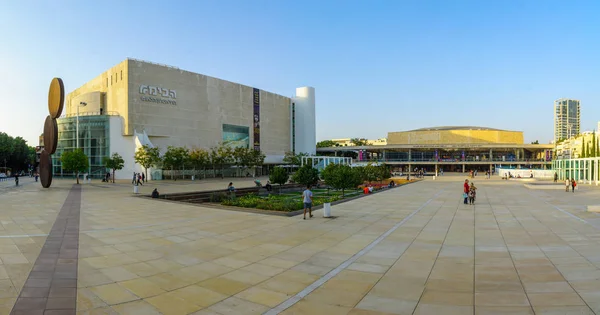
(45, 169)
(50, 135)
(56, 99)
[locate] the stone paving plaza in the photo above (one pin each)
(412, 250)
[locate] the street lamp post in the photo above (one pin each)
(77, 125)
(77, 128)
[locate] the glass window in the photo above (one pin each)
(236, 136)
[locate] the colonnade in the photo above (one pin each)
(584, 170)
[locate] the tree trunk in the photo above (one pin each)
(77, 174)
(145, 171)
(172, 177)
(342, 192)
(113, 176)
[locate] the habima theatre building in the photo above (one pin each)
(139, 103)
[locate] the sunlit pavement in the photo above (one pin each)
(414, 249)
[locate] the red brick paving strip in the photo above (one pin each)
(51, 287)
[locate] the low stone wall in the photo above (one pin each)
(550, 186)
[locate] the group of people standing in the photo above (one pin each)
(138, 179)
(570, 183)
(420, 173)
(469, 192)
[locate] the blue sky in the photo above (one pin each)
(377, 66)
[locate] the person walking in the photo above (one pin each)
(555, 177)
(17, 179)
(567, 184)
(466, 191)
(139, 180)
(134, 178)
(143, 178)
(573, 184)
(307, 196)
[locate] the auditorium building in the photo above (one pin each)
(139, 103)
(452, 149)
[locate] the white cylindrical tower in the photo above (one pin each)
(304, 135)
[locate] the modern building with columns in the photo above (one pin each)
(578, 158)
(453, 149)
(139, 103)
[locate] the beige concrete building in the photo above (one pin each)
(157, 105)
(455, 135)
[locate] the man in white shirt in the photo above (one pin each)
(307, 196)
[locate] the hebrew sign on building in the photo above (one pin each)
(159, 95)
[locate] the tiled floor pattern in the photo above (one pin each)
(512, 253)
(51, 287)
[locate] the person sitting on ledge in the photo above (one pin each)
(155, 193)
(230, 187)
(268, 186)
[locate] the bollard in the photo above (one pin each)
(136, 189)
(327, 210)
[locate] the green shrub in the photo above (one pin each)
(275, 202)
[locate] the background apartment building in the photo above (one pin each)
(566, 119)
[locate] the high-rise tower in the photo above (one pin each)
(566, 119)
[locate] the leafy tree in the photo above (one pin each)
(341, 176)
(15, 154)
(75, 161)
(359, 142)
(326, 144)
(535, 142)
(594, 145)
(200, 158)
(219, 157)
(175, 157)
(242, 158)
(279, 176)
(306, 175)
(115, 163)
(257, 158)
(147, 157)
(369, 173)
(294, 159)
(383, 173)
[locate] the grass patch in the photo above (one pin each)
(288, 201)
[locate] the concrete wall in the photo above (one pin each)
(109, 90)
(203, 105)
(192, 115)
(125, 146)
(455, 137)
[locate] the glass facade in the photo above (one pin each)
(236, 136)
(93, 139)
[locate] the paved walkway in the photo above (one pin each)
(412, 250)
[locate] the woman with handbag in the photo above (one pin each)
(466, 192)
